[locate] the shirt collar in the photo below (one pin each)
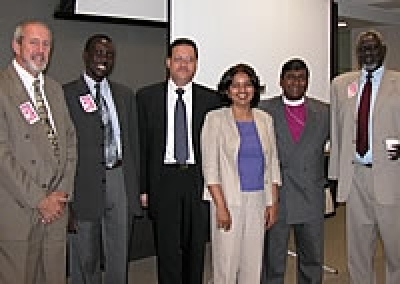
(187, 88)
(26, 77)
(376, 75)
(91, 83)
(288, 102)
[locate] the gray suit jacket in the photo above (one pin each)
(302, 164)
(386, 124)
(28, 168)
(88, 203)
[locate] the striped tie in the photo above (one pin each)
(43, 114)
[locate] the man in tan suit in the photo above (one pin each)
(38, 155)
(368, 174)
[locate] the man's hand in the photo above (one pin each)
(144, 200)
(394, 152)
(271, 215)
(52, 206)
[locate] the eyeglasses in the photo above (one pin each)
(181, 59)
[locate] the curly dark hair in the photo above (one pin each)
(227, 79)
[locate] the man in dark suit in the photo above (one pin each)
(106, 184)
(38, 157)
(302, 130)
(368, 173)
(172, 186)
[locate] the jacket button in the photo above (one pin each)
(44, 186)
(33, 162)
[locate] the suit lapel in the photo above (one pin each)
(282, 128)
(311, 125)
(19, 94)
(385, 89)
(37, 130)
(56, 112)
(161, 110)
(196, 116)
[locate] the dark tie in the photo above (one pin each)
(44, 118)
(363, 116)
(110, 143)
(181, 136)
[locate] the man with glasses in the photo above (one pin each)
(171, 115)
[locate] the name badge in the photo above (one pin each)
(29, 112)
(88, 103)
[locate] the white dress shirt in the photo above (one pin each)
(187, 97)
(27, 80)
(105, 91)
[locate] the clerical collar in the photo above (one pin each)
(288, 102)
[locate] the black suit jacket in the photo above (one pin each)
(151, 101)
(89, 198)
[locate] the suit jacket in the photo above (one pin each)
(152, 126)
(385, 124)
(88, 203)
(220, 142)
(302, 196)
(28, 168)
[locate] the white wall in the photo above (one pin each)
(262, 33)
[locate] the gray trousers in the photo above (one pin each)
(309, 242)
(110, 234)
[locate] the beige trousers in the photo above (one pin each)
(39, 260)
(366, 220)
(237, 254)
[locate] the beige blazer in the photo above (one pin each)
(28, 168)
(386, 124)
(220, 143)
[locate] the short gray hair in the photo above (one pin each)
(19, 29)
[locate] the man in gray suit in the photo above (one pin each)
(368, 174)
(302, 129)
(106, 184)
(38, 156)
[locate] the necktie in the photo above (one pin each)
(44, 118)
(180, 134)
(363, 116)
(110, 143)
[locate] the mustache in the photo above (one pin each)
(39, 56)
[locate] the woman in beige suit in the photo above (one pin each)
(241, 172)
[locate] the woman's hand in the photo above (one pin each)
(224, 220)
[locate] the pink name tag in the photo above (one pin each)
(88, 103)
(352, 89)
(29, 112)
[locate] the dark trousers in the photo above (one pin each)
(309, 242)
(180, 227)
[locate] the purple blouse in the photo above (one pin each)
(250, 157)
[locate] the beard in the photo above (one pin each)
(370, 66)
(33, 67)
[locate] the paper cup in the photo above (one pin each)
(390, 142)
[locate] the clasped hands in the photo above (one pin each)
(52, 206)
